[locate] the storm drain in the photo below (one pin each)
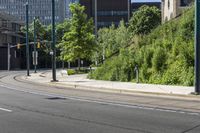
(56, 98)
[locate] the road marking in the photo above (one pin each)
(6, 110)
(120, 104)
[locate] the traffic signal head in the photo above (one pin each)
(38, 45)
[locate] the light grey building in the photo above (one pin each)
(37, 8)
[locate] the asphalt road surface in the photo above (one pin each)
(23, 111)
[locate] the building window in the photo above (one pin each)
(112, 13)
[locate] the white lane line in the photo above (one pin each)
(81, 99)
(6, 110)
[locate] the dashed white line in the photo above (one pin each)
(6, 110)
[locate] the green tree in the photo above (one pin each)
(144, 20)
(39, 27)
(61, 29)
(111, 40)
(79, 42)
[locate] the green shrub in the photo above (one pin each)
(71, 71)
(165, 56)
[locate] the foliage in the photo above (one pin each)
(165, 56)
(79, 41)
(71, 71)
(144, 20)
(111, 40)
(39, 28)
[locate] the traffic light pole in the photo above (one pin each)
(35, 65)
(27, 42)
(53, 43)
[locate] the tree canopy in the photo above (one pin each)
(79, 41)
(144, 20)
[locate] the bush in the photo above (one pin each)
(71, 71)
(165, 56)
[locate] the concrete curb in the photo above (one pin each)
(117, 91)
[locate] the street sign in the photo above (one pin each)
(197, 46)
(35, 58)
(35, 53)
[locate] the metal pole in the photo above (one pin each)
(197, 46)
(35, 65)
(27, 42)
(53, 43)
(95, 16)
(8, 56)
(129, 12)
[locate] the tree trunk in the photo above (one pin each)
(69, 66)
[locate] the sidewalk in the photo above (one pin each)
(81, 82)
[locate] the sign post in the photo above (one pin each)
(197, 47)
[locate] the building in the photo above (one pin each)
(10, 35)
(135, 5)
(173, 8)
(108, 11)
(37, 8)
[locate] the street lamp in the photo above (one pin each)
(34, 53)
(95, 16)
(27, 41)
(53, 43)
(129, 12)
(197, 47)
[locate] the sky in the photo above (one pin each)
(146, 0)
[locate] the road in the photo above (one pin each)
(24, 110)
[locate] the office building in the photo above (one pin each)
(108, 11)
(37, 8)
(10, 35)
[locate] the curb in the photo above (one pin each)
(108, 90)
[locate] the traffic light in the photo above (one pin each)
(38, 45)
(18, 46)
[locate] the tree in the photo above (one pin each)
(144, 20)
(79, 41)
(39, 27)
(111, 40)
(61, 29)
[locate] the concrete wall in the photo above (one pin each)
(173, 8)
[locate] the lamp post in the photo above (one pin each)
(53, 43)
(197, 46)
(35, 62)
(95, 16)
(129, 12)
(27, 42)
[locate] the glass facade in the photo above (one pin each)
(37, 8)
(108, 11)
